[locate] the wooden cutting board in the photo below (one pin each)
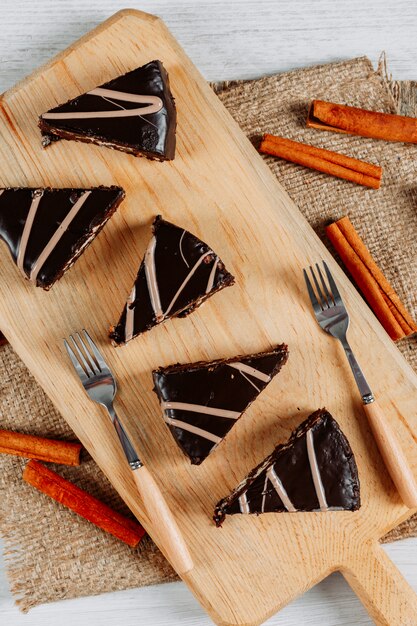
(219, 188)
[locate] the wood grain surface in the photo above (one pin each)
(219, 188)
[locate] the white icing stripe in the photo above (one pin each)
(27, 230)
(249, 381)
(130, 315)
(185, 281)
(181, 252)
(264, 494)
(150, 272)
(243, 503)
(199, 408)
(192, 429)
(154, 103)
(315, 472)
(60, 231)
(212, 275)
(123, 96)
(251, 371)
(279, 488)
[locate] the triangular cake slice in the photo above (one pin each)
(178, 273)
(134, 113)
(314, 471)
(47, 229)
(202, 401)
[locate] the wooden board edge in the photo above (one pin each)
(154, 19)
(75, 44)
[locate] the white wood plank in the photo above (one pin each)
(237, 39)
(226, 40)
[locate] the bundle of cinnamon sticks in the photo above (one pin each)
(376, 289)
(64, 491)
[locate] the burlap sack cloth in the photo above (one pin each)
(51, 553)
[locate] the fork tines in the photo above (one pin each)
(325, 295)
(84, 354)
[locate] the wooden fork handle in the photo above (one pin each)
(393, 455)
(163, 521)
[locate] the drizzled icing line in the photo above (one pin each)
(250, 382)
(60, 231)
(315, 472)
(186, 280)
(154, 103)
(250, 370)
(264, 494)
(181, 252)
(199, 408)
(130, 315)
(243, 503)
(212, 275)
(279, 488)
(36, 198)
(124, 108)
(192, 429)
(151, 279)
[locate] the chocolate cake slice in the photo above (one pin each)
(202, 401)
(314, 471)
(134, 113)
(47, 229)
(178, 272)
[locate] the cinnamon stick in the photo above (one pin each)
(40, 448)
(376, 289)
(351, 120)
(82, 503)
(323, 160)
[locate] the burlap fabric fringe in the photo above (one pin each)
(52, 554)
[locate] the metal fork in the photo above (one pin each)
(100, 385)
(333, 318)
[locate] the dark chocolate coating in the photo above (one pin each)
(152, 135)
(213, 384)
(336, 464)
(171, 270)
(54, 206)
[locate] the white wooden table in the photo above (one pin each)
(226, 40)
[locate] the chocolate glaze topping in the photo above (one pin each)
(177, 274)
(202, 401)
(314, 471)
(47, 229)
(134, 113)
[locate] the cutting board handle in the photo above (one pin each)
(386, 595)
